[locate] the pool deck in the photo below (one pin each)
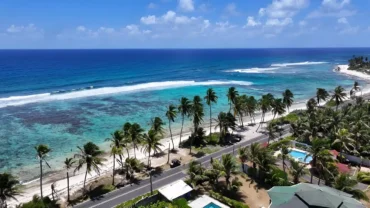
(204, 200)
(277, 153)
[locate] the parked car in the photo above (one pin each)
(175, 163)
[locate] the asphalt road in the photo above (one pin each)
(128, 192)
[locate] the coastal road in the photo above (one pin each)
(128, 192)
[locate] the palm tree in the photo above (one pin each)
(68, 163)
(253, 152)
(197, 114)
(277, 107)
(271, 132)
(224, 122)
(195, 172)
(132, 165)
(136, 134)
(311, 105)
(288, 98)
(323, 160)
(184, 109)
(321, 94)
(265, 161)
(151, 144)
(265, 105)
(338, 96)
(344, 140)
(240, 107)
(285, 155)
(250, 107)
(126, 141)
(297, 170)
(231, 96)
(91, 156)
(215, 172)
(116, 149)
(229, 167)
(171, 115)
(243, 155)
(210, 98)
(346, 184)
(317, 145)
(42, 152)
(9, 188)
(157, 124)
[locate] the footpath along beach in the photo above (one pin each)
(76, 181)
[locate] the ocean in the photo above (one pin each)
(64, 98)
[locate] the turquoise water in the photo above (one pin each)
(212, 205)
(64, 98)
(300, 156)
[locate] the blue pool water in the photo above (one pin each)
(300, 156)
(212, 205)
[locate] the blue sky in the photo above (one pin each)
(184, 23)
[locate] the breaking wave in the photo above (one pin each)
(299, 63)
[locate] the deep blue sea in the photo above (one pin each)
(65, 98)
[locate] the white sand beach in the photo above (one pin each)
(344, 70)
(76, 181)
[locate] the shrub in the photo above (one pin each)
(181, 203)
(38, 203)
(252, 171)
(133, 201)
(213, 139)
(363, 177)
(230, 202)
(100, 190)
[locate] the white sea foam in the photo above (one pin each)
(21, 100)
(254, 70)
(299, 63)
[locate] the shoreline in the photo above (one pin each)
(58, 177)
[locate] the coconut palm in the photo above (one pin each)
(232, 93)
(151, 144)
(157, 124)
(285, 151)
(265, 161)
(92, 157)
(317, 145)
(126, 141)
(221, 123)
(195, 172)
(243, 155)
(197, 115)
(132, 165)
(229, 167)
(136, 135)
(311, 105)
(171, 115)
(321, 94)
(346, 184)
(184, 109)
(271, 132)
(42, 151)
(240, 107)
(251, 107)
(277, 107)
(253, 151)
(9, 188)
(265, 105)
(338, 96)
(288, 98)
(215, 172)
(297, 170)
(68, 164)
(210, 98)
(356, 87)
(323, 160)
(344, 140)
(116, 149)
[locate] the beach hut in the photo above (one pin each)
(310, 195)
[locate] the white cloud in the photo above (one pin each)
(277, 22)
(152, 5)
(206, 24)
(108, 30)
(333, 8)
(186, 5)
(342, 20)
(302, 23)
(24, 32)
(21, 28)
(251, 22)
(223, 26)
(283, 8)
(149, 20)
(81, 28)
(349, 30)
(169, 16)
(231, 9)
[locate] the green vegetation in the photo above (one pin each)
(230, 202)
(359, 63)
(135, 200)
(363, 177)
(38, 203)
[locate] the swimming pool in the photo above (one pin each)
(211, 205)
(300, 155)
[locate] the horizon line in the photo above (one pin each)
(354, 47)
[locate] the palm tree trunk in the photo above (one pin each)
(241, 119)
(68, 186)
(134, 150)
(41, 180)
(114, 163)
(128, 153)
(182, 125)
(284, 165)
(169, 125)
(85, 181)
(311, 177)
(210, 120)
(149, 158)
(262, 118)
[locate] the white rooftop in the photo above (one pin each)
(175, 190)
(204, 200)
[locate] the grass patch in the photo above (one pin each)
(100, 190)
(213, 139)
(133, 201)
(207, 150)
(227, 201)
(330, 103)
